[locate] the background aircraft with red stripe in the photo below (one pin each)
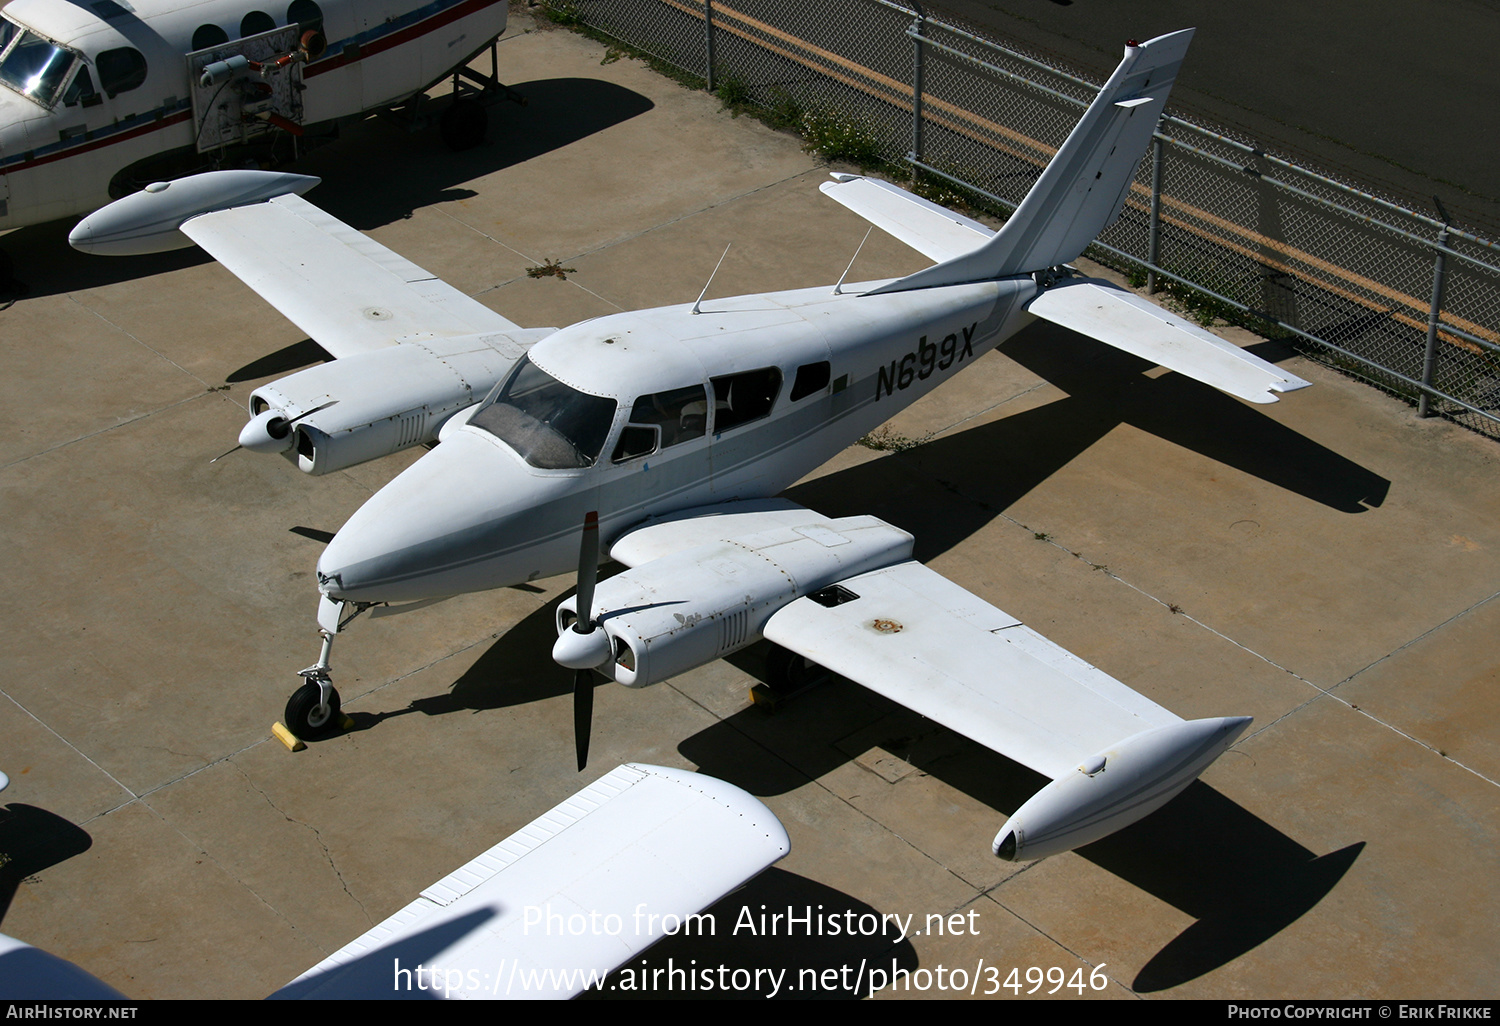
(100, 97)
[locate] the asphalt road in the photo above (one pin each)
(1397, 94)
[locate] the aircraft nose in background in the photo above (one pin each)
(433, 531)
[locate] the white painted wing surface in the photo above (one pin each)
(933, 231)
(347, 291)
(647, 839)
(923, 641)
(1139, 327)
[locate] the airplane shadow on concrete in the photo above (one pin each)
(31, 840)
(985, 469)
(1239, 877)
(378, 172)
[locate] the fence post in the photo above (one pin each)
(1153, 246)
(1429, 359)
(708, 43)
(918, 30)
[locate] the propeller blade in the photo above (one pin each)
(583, 713)
(309, 413)
(588, 573)
(221, 455)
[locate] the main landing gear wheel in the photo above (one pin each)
(309, 719)
(464, 123)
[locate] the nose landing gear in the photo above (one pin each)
(313, 712)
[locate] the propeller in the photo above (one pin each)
(585, 645)
(268, 428)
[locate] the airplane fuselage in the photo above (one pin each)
(816, 371)
(88, 91)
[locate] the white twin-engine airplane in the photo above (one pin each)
(680, 425)
(100, 94)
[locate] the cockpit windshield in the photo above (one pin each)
(33, 66)
(552, 426)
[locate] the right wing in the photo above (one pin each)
(345, 290)
(349, 293)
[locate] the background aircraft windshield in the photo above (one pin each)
(551, 425)
(35, 67)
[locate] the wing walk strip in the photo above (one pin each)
(900, 95)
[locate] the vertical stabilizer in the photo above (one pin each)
(1081, 191)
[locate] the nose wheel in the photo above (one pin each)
(311, 714)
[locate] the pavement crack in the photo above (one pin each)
(317, 836)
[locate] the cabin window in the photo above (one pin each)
(811, 377)
(741, 398)
(305, 15)
(256, 22)
(35, 67)
(665, 418)
(120, 70)
(205, 36)
(551, 425)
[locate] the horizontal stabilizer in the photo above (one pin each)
(1126, 321)
(935, 232)
(579, 891)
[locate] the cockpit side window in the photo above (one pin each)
(741, 398)
(551, 425)
(120, 70)
(8, 31)
(35, 67)
(665, 419)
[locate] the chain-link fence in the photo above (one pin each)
(1392, 296)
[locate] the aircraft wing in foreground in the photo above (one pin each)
(547, 913)
(571, 896)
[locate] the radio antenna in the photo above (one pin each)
(838, 289)
(711, 277)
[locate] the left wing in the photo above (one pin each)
(914, 636)
(847, 595)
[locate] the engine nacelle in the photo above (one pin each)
(678, 612)
(1111, 790)
(379, 402)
